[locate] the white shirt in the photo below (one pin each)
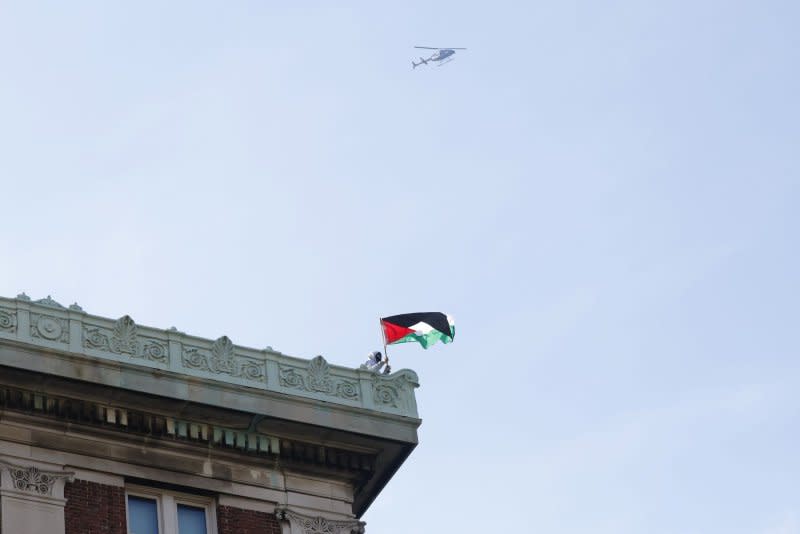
(373, 365)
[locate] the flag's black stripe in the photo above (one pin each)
(437, 320)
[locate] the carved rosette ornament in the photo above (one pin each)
(49, 328)
(222, 359)
(385, 394)
(317, 379)
(303, 524)
(34, 480)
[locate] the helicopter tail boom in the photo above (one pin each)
(422, 61)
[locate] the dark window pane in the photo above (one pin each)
(142, 515)
(191, 520)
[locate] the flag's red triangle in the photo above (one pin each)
(394, 332)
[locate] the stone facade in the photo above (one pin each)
(99, 417)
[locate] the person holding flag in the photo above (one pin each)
(375, 361)
(425, 328)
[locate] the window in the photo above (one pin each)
(153, 511)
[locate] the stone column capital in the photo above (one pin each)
(305, 524)
(33, 480)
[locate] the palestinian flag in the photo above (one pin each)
(425, 328)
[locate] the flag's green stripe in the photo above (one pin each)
(426, 340)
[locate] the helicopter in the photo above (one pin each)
(441, 55)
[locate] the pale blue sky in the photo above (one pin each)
(603, 195)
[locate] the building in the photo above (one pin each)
(107, 426)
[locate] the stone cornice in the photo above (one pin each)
(125, 423)
(46, 324)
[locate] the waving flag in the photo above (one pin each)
(425, 328)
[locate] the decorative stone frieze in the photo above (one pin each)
(123, 338)
(316, 378)
(83, 338)
(304, 524)
(222, 359)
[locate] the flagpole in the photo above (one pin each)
(383, 335)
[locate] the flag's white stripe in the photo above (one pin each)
(422, 328)
(425, 329)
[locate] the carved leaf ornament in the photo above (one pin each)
(317, 525)
(123, 336)
(222, 356)
(318, 379)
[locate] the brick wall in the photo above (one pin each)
(232, 520)
(94, 508)
(99, 509)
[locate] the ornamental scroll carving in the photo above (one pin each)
(123, 338)
(49, 328)
(8, 320)
(34, 480)
(303, 524)
(393, 390)
(317, 379)
(222, 359)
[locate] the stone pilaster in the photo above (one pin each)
(32, 497)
